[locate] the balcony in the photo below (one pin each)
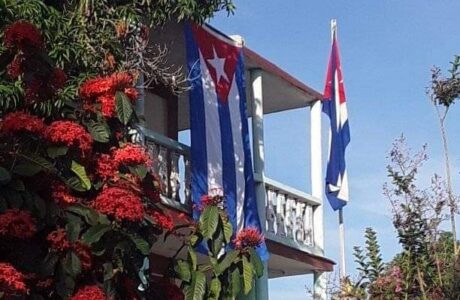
(289, 212)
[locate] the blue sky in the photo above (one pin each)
(387, 49)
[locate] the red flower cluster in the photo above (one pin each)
(248, 237)
(23, 36)
(131, 154)
(120, 204)
(163, 221)
(84, 254)
(69, 134)
(107, 165)
(18, 122)
(61, 194)
(92, 292)
(14, 69)
(58, 240)
(102, 90)
(11, 280)
(17, 223)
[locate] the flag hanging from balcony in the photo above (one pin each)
(335, 106)
(220, 151)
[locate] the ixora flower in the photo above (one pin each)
(102, 90)
(61, 194)
(23, 36)
(131, 154)
(11, 280)
(69, 134)
(18, 122)
(119, 203)
(248, 237)
(15, 223)
(83, 252)
(163, 221)
(89, 292)
(58, 240)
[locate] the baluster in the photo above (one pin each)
(174, 178)
(308, 225)
(299, 228)
(270, 210)
(187, 181)
(280, 214)
(290, 216)
(163, 169)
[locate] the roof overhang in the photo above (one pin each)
(281, 91)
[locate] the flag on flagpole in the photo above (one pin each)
(335, 106)
(220, 149)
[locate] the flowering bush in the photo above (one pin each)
(80, 209)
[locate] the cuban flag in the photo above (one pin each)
(220, 149)
(335, 106)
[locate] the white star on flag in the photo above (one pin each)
(218, 64)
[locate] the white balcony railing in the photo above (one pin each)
(289, 212)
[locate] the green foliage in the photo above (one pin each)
(228, 271)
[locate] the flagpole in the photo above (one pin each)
(342, 269)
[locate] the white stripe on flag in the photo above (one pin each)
(213, 137)
(235, 116)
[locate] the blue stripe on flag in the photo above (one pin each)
(197, 126)
(251, 215)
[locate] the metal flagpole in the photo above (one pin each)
(342, 270)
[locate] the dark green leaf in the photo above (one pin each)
(141, 245)
(26, 169)
(4, 175)
(139, 170)
(71, 264)
(100, 132)
(56, 151)
(49, 265)
(123, 107)
(228, 231)
(73, 230)
(39, 161)
(80, 171)
(40, 206)
(214, 289)
(17, 185)
(95, 233)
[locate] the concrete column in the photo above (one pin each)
(261, 287)
(317, 191)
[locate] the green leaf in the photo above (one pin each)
(99, 131)
(17, 185)
(40, 206)
(123, 107)
(141, 244)
(139, 170)
(230, 258)
(108, 271)
(75, 184)
(55, 151)
(197, 288)
(49, 264)
(71, 264)
(182, 269)
(95, 233)
(4, 175)
(215, 288)
(192, 258)
(209, 220)
(73, 230)
(26, 169)
(228, 231)
(256, 263)
(248, 275)
(236, 282)
(80, 171)
(39, 161)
